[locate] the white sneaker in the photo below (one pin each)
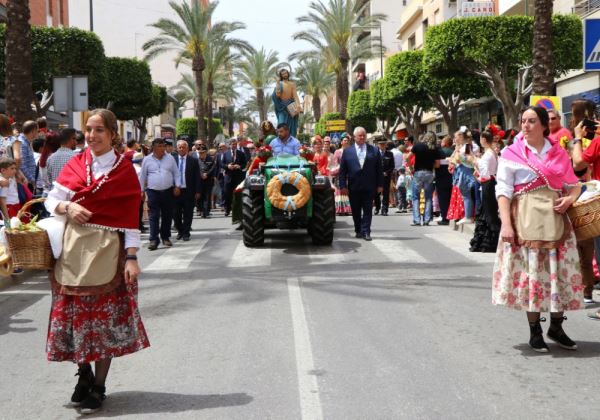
(588, 300)
(464, 221)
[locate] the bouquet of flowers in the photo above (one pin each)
(307, 153)
(264, 153)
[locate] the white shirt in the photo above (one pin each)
(488, 164)
(100, 166)
(11, 193)
(511, 174)
(474, 148)
(361, 152)
(398, 159)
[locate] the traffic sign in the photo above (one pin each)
(335, 125)
(547, 102)
(591, 45)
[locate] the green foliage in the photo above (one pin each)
(189, 126)
(403, 80)
(62, 52)
(129, 87)
(304, 138)
(381, 100)
(500, 41)
(359, 111)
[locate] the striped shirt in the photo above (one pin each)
(56, 162)
(27, 159)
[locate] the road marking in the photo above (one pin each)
(326, 254)
(459, 243)
(177, 257)
(250, 257)
(308, 386)
(398, 250)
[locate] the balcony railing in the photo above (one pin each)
(585, 7)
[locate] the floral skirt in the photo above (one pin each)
(342, 203)
(538, 280)
(456, 211)
(85, 329)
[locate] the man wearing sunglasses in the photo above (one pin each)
(557, 131)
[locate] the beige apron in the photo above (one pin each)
(536, 219)
(89, 256)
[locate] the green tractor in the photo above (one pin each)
(286, 193)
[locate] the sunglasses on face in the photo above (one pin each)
(553, 118)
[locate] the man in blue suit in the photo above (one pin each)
(361, 176)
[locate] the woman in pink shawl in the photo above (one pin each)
(537, 263)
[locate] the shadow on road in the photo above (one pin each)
(585, 349)
(139, 402)
(14, 305)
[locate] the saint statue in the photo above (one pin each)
(286, 101)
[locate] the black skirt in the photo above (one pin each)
(487, 226)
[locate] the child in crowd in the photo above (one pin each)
(9, 195)
(401, 186)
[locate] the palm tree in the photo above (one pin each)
(257, 70)
(543, 59)
(18, 81)
(262, 107)
(303, 120)
(185, 89)
(336, 39)
(189, 38)
(315, 80)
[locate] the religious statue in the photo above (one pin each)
(286, 101)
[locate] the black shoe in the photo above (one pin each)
(240, 227)
(359, 236)
(203, 216)
(367, 237)
(226, 214)
(376, 212)
(426, 224)
(558, 335)
(82, 389)
(93, 401)
(443, 222)
(167, 242)
(384, 214)
(179, 236)
(536, 339)
(186, 238)
(415, 224)
(153, 245)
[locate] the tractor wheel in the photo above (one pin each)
(323, 219)
(253, 216)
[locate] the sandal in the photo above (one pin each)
(82, 389)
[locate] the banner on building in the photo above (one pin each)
(547, 102)
(591, 45)
(476, 9)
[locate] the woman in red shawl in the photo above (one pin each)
(94, 315)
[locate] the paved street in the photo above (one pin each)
(398, 328)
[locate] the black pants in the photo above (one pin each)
(383, 203)
(230, 185)
(141, 215)
(361, 203)
(204, 202)
(160, 204)
(402, 205)
(443, 187)
(184, 212)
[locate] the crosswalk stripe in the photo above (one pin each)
(459, 243)
(178, 257)
(398, 250)
(250, 257)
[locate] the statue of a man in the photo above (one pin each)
(286, 102)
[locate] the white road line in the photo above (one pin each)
(398, 250)
(177, 258)
(250, 257)
(310, 403)
(459, 243)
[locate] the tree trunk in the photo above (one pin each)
(260, 102)
(342, 85)
(316, 106)
(543, 59)
(210, 90)
(448, 107)
(230, 120)
(198, 66)
(19, 85)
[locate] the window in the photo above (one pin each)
(425, 26)
(412, 42)
(438, 128)
(436, 17)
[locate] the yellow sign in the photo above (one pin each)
(335, 125)
(548, 102)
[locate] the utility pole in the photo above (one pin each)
(91, 15)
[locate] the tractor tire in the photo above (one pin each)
(253, 216)
(323, 219)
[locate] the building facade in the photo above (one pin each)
(44, 12)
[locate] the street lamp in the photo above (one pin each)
(357, 26)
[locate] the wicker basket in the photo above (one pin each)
(30, 250)
(585, 217)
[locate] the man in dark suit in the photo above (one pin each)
(234, 163)
(207, 176)
(382, 201)
(189, 178)
(361, 177)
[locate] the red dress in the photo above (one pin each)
(456, 210)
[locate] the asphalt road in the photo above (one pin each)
(398, 328)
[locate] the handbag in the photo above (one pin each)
(536, 218)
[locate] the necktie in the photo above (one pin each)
(181, 170)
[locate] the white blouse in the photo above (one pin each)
(511, 174)
(100, 165)
(487, 165)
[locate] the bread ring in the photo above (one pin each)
(291, 202)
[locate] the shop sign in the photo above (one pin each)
(476, 9)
